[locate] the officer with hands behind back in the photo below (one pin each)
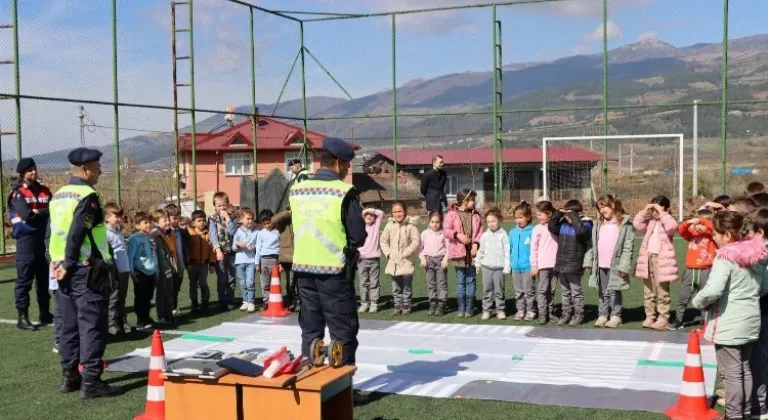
(80, 252)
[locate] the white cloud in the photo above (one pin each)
(582, 8)
(581, 49)
(438, 23)
(612, 29)
(648, 36)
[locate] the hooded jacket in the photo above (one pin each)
(520, 248)
(399, 243)
(621, 261)
(573, 241)
(732, 293)
(494, 250)
(645, 224)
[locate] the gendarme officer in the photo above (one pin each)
(28, 211)
(328, 228)
(79, 249)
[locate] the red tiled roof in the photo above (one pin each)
(272, 134)
(485, 156)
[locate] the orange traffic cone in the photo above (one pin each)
(155, 405)
(275, 308)
(692, 403)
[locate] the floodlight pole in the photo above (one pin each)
(695, 167)
(605, 96)
(305, 147)
(724, 105)
(255, 119)
(115, 94)
(394, 103)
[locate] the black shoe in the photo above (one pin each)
(23, 323)
(96, 388)
(675, 326)
(46, 318)
(70, 382)
(358, 398)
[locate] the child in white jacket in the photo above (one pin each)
(493, 260)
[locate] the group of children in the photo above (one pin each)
(162, 246)
(725, 271)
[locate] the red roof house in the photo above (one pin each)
(224, 157)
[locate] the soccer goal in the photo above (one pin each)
(639, 167)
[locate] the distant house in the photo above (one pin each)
(570, 171)
(224, 157)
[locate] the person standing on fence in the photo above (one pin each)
(433, 187)
(297, 169)
(28, 211)
(329, 228)
(80, 252)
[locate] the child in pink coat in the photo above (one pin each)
(543, 252)
(656, 262)
(463, 227)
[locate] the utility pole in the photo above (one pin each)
(695, 148)
(81, 116)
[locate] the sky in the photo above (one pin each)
(66, 50)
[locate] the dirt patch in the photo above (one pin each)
(551, 120)
(703, 86)
(650, 81)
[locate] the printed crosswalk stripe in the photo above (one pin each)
(392, 386)
(447, 390)
(453, 327)
(495, 329)
(411, 326)
(440, 327)
(426, 388)
(656, 351)
(466, 329)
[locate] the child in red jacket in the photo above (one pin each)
(698, 260)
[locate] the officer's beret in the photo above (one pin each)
(339, 148)
(83, 155)
(25, 164)
(294, 162)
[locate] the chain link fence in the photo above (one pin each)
(151, 84)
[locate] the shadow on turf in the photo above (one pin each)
(420, 372)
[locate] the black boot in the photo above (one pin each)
(46, 317)
(70, 381)
(23, 323)
(440, 308)
(96, 388)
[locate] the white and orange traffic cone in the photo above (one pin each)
(275, 308)
(155, 405)
(692, 403)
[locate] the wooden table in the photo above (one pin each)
(322, 393)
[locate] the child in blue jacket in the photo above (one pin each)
(520, 259)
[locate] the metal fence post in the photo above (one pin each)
(394, 102)
(604, 168)
(16, 75)
(305, 147)
(255, 120)
(116, 99)
(724, 106)
(695, 167)
(193, 130)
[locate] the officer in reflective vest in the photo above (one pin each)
(28, 211)
(328, 228)
(299, 173)
(79, 250)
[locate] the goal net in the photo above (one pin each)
(639, 167)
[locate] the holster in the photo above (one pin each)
(350, 268)
(97, 275)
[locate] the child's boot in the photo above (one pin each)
(601, 321)
(577, 319)
(406, 308)
(440, 309)
(660, 324)
(649, 320)
(530, 316)
(614, 322)
(432, 307)
(565, 319)
(397, 311)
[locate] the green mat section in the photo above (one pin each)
(420, 351)
(517, 357)
(201, 337)
(670, 363)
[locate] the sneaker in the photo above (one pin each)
(406, 311)
(675, 326)
(564, 320)
(244, 306)
(374, 308)
(397, 311)
(432, 308)
(601, 320)
(543, 320)
(721, 402)
(519, 316)
(55, 348)
(720, 393)
(251, 308)
(614, 322)
(460, 314)
(501, 315)
(486, 316)
(660, 324)
(363, 308)
(576, 320)
(649, 320)
(530, 316)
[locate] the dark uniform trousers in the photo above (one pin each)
(83, 324)
(328, 300)
(31, 266)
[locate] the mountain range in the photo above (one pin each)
(648, 72)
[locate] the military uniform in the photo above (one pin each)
(303, 174)
(79, 244)
(28, 211)
(328, 228)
